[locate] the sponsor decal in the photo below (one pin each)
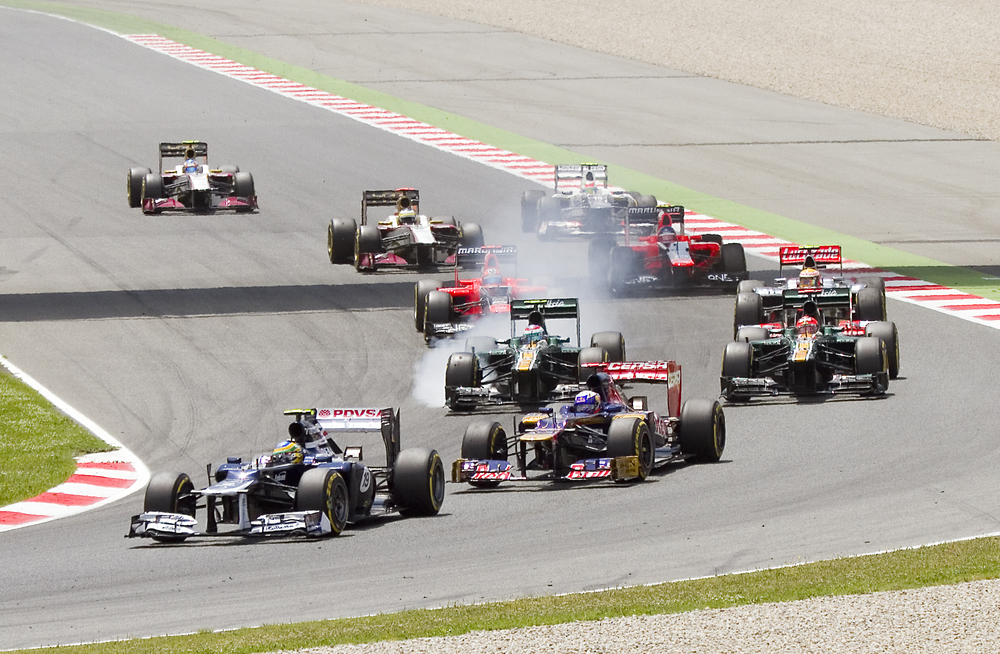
(350, 413)
(366, 481)
(721, 277)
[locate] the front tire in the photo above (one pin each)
(243, 185)
(420, 291)
(702, 430)
(749, 310)
(134, 188)
(887, 333)
(630, 437)
(418, 482)
(340, 240)
(437, 308)
(484, 441)
(324, 490)
(367, 240)
(170, 492)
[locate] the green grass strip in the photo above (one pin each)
(37, 442)
(949, 563)
(965, 279)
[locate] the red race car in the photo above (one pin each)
(655, 251)
(441, 311)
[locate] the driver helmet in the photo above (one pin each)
(587, 402)
(191, 166)
(534, 334)
(492, 277)
(407, 216)
(807, 326)
(286, 452)
(589, 185)
(809, 278)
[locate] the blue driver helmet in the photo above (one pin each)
(534, 334)
(190, 166)
(286, 452)
(586, 402)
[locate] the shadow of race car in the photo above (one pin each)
(190, 186)
(308, 486)
(607, 437)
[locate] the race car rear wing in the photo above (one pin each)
(184, 150)
(549, 309)
(400, 198)
(648, 372)
(573, 174)
(358, 421)
(486, 255)
(822, 255)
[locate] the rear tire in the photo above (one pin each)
(612, 342)
(711, 238)
(340, 240)
(134, 188)
(630, 437)
(887, 333)
(589, 355)
(702, 429)
(621, 269)
(324, 490)
(734, 259)
(748, 286)
(646, 201)
(871, 304)
(472, 235)
(418, 482)
(484, 441)
(529, 210)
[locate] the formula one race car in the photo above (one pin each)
(405, 238)
(441, 311)
(655, 251)
(308, 486)
(530, 369)
(600, 435)
(810, 357)
(190, 186)
(838, 297)
(582, 205)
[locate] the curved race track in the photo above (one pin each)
(186, 337)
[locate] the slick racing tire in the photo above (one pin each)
(702, 430)
(751, 334)
(874, 281)
(170, 492)
(340, 240)
(152, 186)
(420, 291)
(646, 201)
(630, 437)
(134, 188)
(484, 441)
(869, 356)
(737, 359)
(437, 308)
(886, 331)
(734, 259)
(243, 185)
(472, 235)
(462, 371)
(612, 342)
(749, 310)
(621, 269)
(324, 490)
(599, 259)
(367, 240)
(748, 286)
(870, 304)
(549, 210)
(418, 482)
(529, 210)
(712, 238)
(589, 355)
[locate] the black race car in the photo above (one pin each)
(309, 485)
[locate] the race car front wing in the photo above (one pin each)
(737, 388)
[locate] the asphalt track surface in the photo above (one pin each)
(186, 336)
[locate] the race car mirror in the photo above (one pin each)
(352, 453)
